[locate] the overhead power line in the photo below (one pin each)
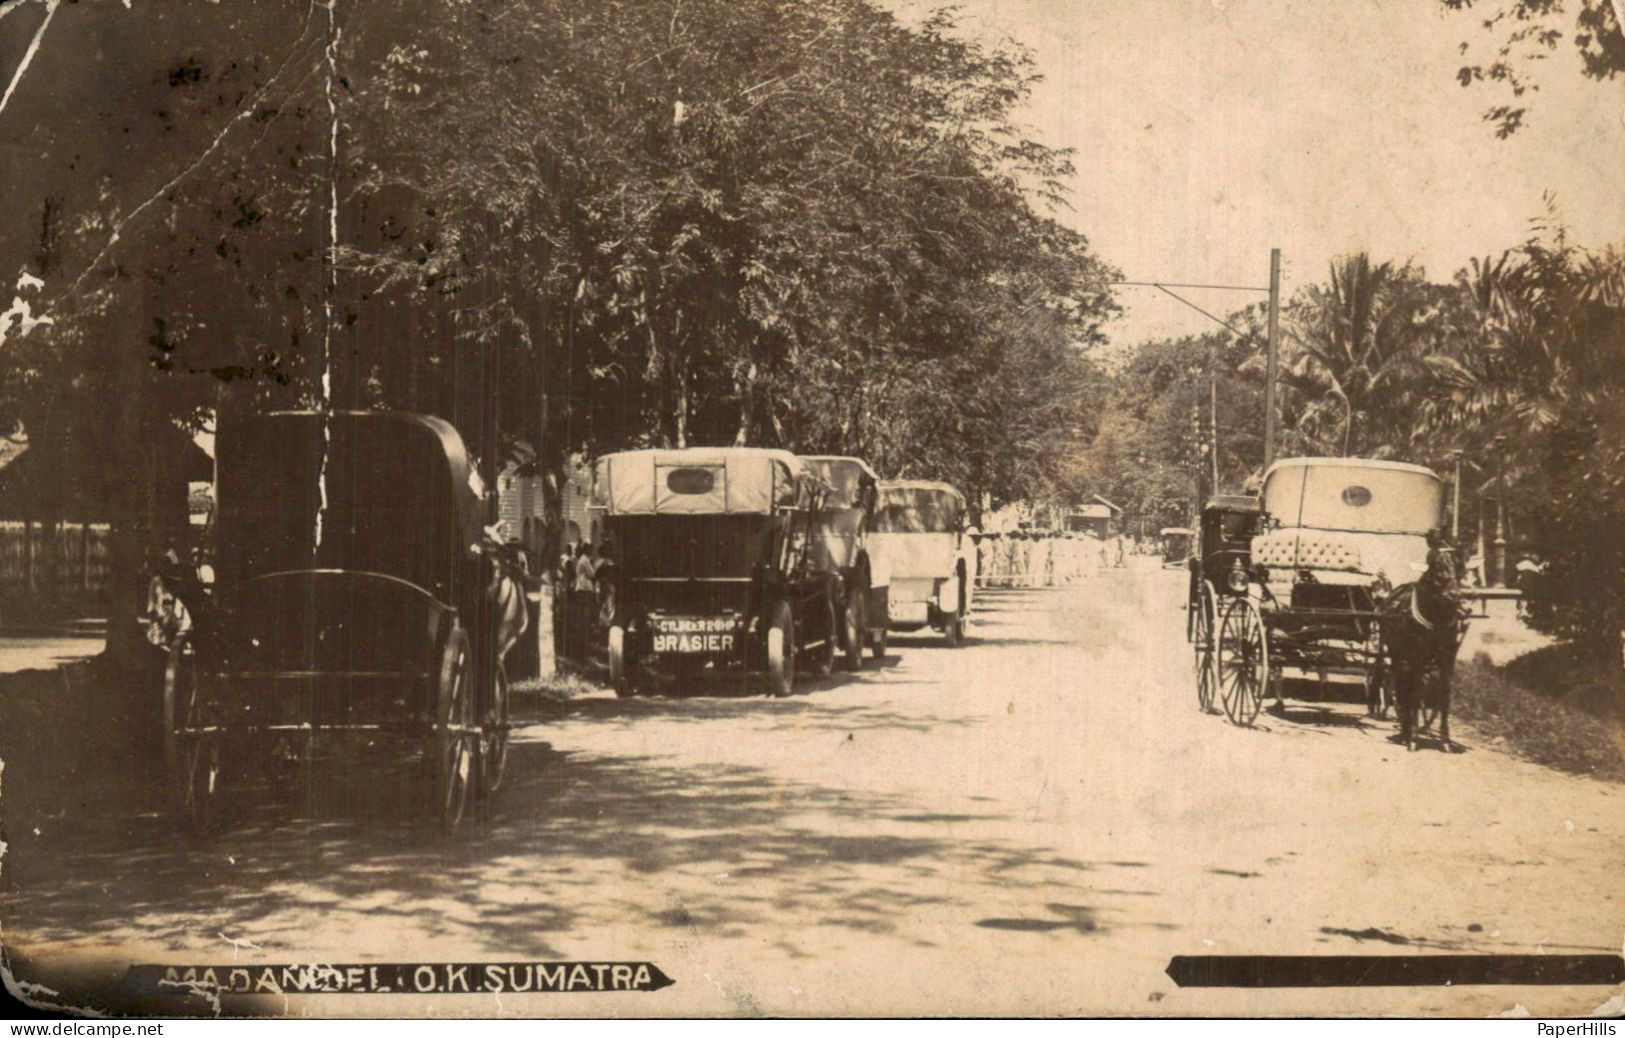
(1177, 284)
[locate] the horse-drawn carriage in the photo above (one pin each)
(1339, 540)
(1221, 570)
(715, 565)
(355, 599)
(1176, 545)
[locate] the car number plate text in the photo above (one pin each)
(694, 642)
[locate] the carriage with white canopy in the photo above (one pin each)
(1337, 534)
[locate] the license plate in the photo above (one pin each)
(694, 642)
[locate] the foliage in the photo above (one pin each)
(1514, 368)
(585, 225)
(1150, 449)
(1350, 364)
(1528, 31)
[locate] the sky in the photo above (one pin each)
(1209, 131)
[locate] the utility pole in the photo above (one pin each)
(1213, 413)
(1272, 360)
(1498, 547)
(1455, 499)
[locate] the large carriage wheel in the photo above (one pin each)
(1204, 630)
(1243, 661)
(456, 735)
(781, 651)
(498, 722)
(622, 677)
(856, 618)
(192, 758)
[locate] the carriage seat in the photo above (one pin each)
(1307, 549)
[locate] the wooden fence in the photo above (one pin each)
(50, 571)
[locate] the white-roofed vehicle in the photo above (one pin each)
(918, 536)
(714, 562)
(1337, 535)
(844, 528)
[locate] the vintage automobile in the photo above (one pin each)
(844, 527)
(354, 602)
(918, 535)
(714, 552)
(1176, 544)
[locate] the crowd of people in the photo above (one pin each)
(586, 595)
(1045, 558)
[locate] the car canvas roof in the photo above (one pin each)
(842, 457)
(830, 464)
(923, 484)
(754, 480)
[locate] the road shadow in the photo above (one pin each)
(1302, 715)
(792, 714)
(577, 843)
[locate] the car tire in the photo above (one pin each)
(781, 651)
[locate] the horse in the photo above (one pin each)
(1421, 629)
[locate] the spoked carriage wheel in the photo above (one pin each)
(1203, 633)
(1243, 661)
(856, 618)
(781, 651)
(456, 733)
(498, 722)
(192, 758)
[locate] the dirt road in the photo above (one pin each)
(1034, 823)
(31, 651)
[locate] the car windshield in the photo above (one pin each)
(916, 510)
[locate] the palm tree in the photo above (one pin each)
(1358, 338)
(1535, 366)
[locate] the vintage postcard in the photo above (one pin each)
(812, 508)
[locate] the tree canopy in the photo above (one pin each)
(585, 225)
(1526, 32)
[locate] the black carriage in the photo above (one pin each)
(1220, 570)
(1337, 534)
(715, 566)
(1176, 545)
(351, 608)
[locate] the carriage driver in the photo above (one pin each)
(1443, 576)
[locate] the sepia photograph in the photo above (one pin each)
(812, 509)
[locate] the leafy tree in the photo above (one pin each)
(1536, 379)
(1528, 31)
(1354, 344)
